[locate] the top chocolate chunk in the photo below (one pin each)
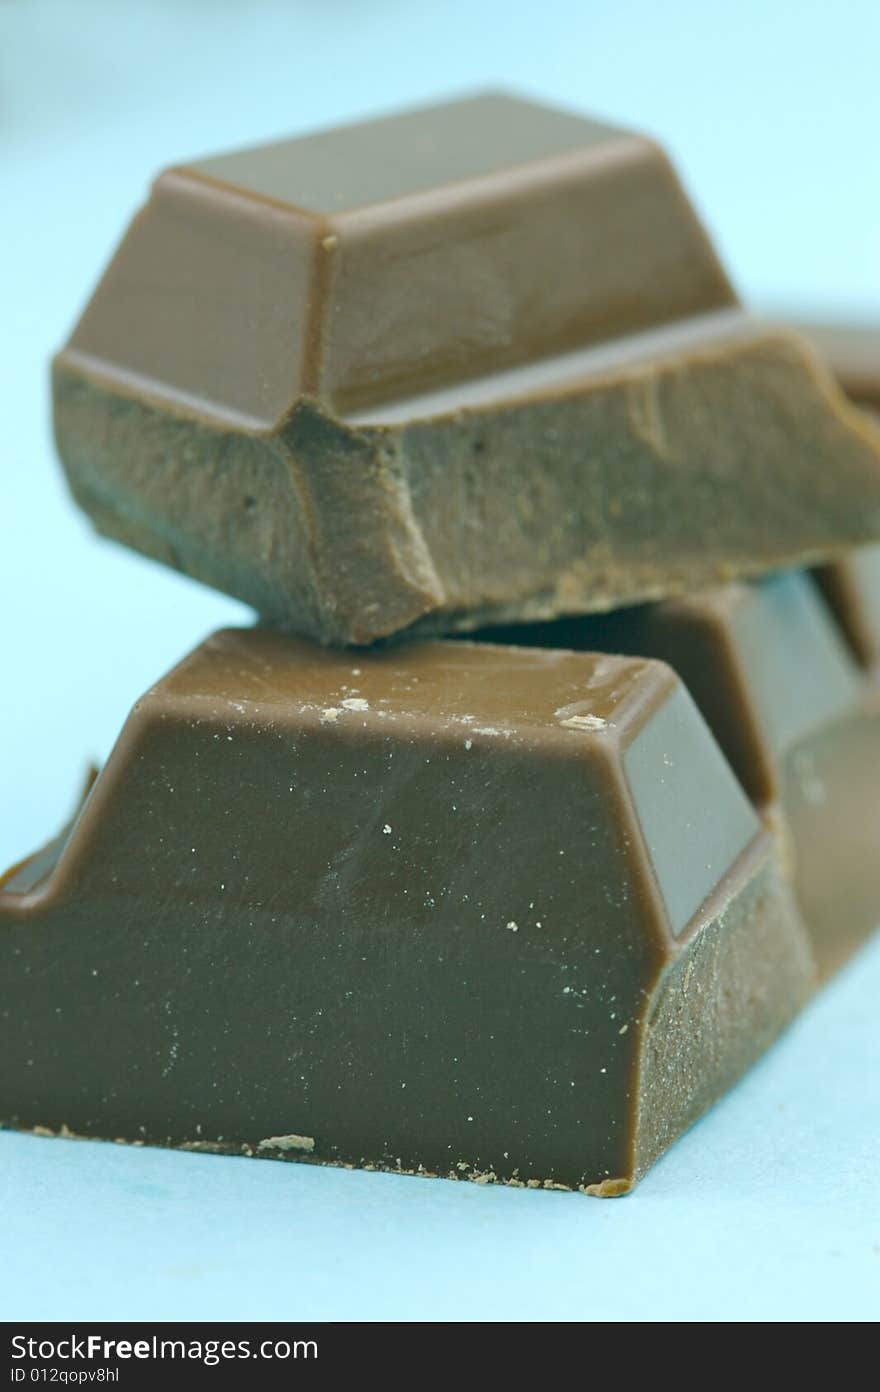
(368, 263)
(464, 364)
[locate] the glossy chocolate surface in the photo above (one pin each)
(852, 585)
(796, 714)
(365, 264)
(453, 908)
(470, 363)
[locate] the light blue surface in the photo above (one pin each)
(770, 1208)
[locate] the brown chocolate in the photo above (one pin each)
(446, 908)
(797, 717)
(471, 363)
(852, 588)
(852, 351)
(852, 584)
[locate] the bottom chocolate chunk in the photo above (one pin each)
(461, 909)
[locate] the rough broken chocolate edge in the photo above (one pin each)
(321, 526)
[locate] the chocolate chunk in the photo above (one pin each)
(797, 717)
(852, 584)
(853, 354)
(852, 588)
(369, 264)
(469, 363)
(446, 908)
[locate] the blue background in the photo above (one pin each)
(770, 1208)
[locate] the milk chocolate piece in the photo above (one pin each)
(852, 588)
(446, 908)
(853, 354)
(852, 585)
(472, 362)
(798, 719)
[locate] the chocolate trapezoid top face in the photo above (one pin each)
(370, 263)
(425, 909)
(467, 363)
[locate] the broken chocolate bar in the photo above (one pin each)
(797, 717)
(447, 908)
(472, 363)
